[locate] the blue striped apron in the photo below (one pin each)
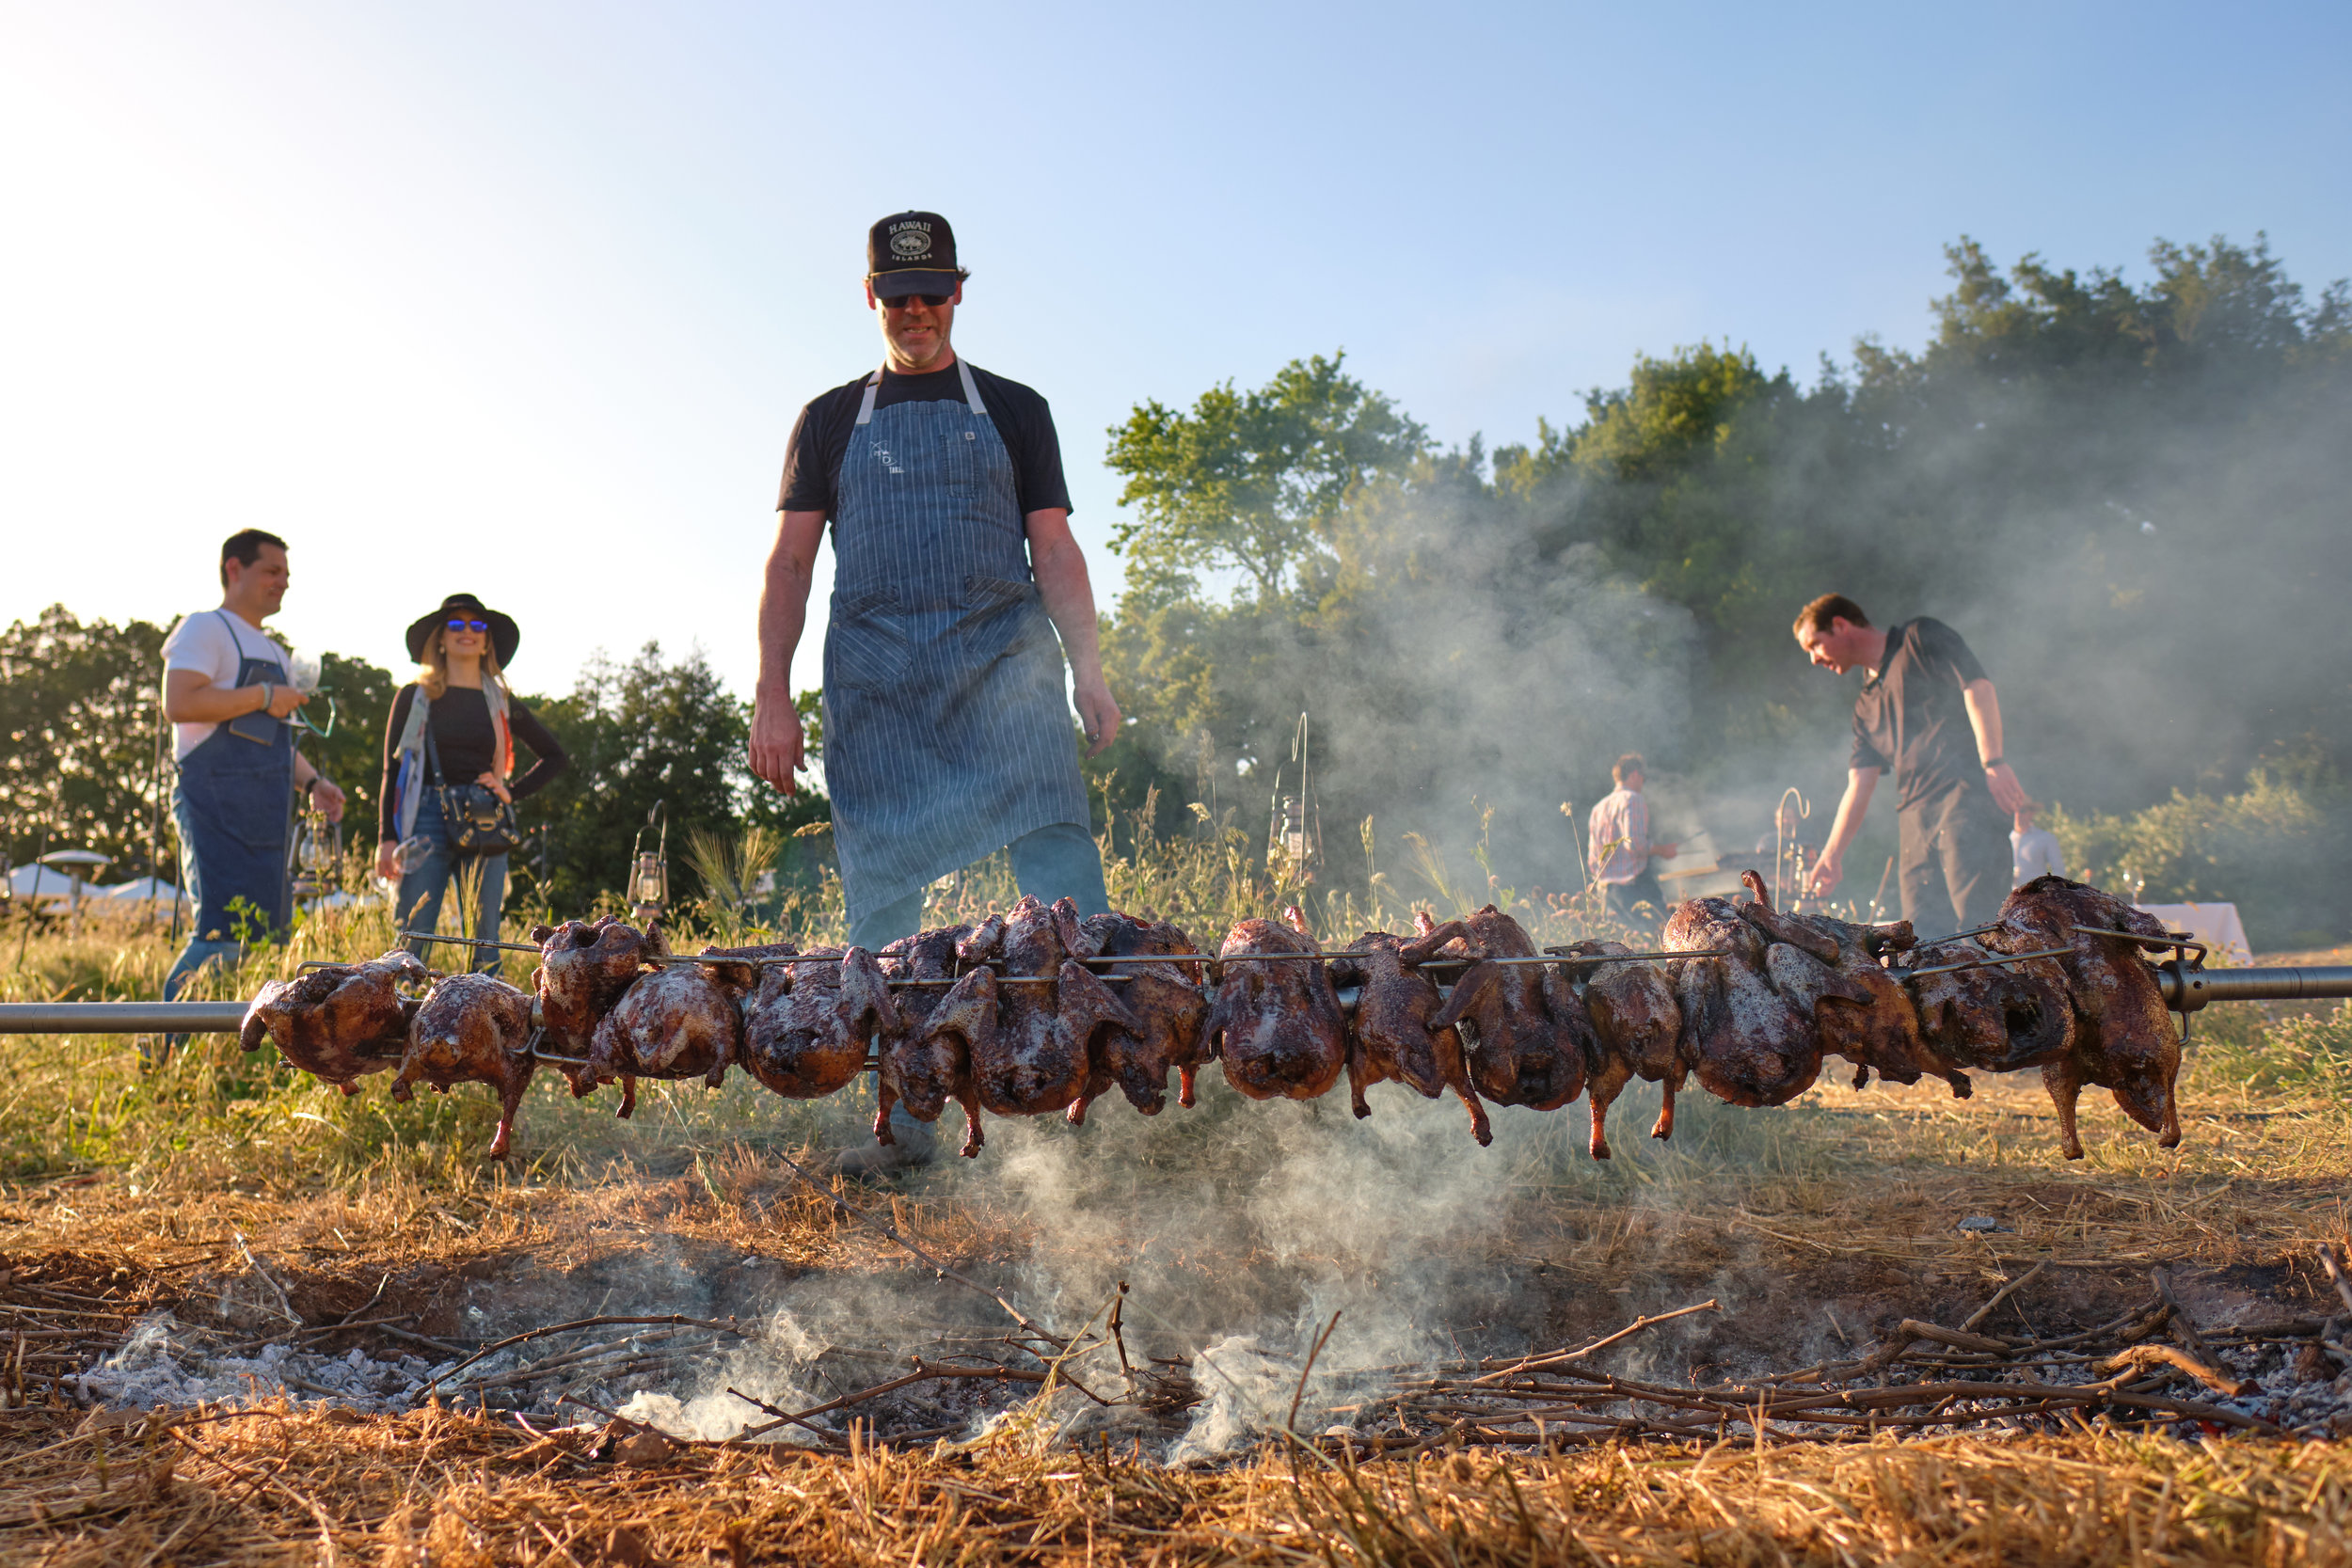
(947, 733)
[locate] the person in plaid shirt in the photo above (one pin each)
(1621, 848)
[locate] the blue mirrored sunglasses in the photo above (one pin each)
(458, 623)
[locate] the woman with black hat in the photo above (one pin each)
(448, 753)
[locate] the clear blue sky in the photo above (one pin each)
(522, 299)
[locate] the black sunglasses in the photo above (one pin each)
(904, 302)
(461, 624)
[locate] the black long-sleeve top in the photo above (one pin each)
(468, 742)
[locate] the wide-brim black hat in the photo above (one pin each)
(505, 635)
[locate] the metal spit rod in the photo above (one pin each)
(1107, 960)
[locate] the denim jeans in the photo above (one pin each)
(480, 880)
(1061, 860)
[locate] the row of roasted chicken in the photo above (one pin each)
(1030, 1012)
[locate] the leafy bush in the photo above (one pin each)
(2279, 849)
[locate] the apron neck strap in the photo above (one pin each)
(963, 373)
(971, 387)
(230, 622)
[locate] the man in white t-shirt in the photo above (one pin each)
(227, 692)
(2033, 851)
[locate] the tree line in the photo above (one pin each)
(654, 741)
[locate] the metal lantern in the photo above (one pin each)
(649, 870)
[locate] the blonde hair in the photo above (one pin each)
(433, 669)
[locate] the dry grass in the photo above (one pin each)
(271, 1485)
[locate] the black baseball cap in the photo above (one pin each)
(912, 253)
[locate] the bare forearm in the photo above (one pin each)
(784, 602)
(1852, 806)
(1984, 717)
(193, 704)
(1069, 596)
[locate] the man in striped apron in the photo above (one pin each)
(948, 736)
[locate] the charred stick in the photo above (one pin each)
(1954, 1337)
(1290, 1422)
(285, 1306)
(2337, 1275)
(921, 1374)
(1557, 1357)
(2182, 1327)
(2148, 1357)
(1981, 1313)
(666, 1321)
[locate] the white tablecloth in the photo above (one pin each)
(2215, 924)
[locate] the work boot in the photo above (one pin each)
(913, 1144)
(878, 1160)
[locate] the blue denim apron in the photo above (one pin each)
(234, 807)
(947, 732)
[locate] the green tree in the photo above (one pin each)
(85, 766)
(1250, 481)
(651, 732)
(352, 756)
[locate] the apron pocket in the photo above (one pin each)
(1002, 618)
(869, 651)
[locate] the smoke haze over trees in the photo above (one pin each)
(2131, 499)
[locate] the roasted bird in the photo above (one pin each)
(337, 1023)
(1032, 1037)
(472, 1029)
(1391, 1041)
(2123, 1037)
(1868, 1018)
(677, 1022)
(808, 1030)
(583, 970)
(741, 980)
(1529, 1034)
(1997, 1018)
(1748, 1044)
(1637, 1032)
(922, 1071)
(1275, 1024)
(1165, 998)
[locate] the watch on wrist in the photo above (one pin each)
(1994, 763)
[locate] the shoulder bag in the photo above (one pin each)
(477, 822)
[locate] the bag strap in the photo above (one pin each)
(433, 753)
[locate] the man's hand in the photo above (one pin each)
(2008, 793)
(776, 742)
(283, 700)
(1097, 712)
(328, 795)
(1665, 851)
(1827, 873)
(388, 859)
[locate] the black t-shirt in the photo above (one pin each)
(464, 736)
(821, 438)
(1911, 717)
